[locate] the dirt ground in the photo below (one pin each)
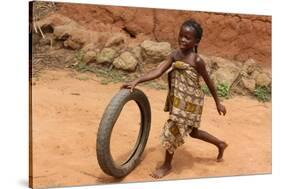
(66, 110)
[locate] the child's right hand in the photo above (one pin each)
(130, 85)
(221, 109)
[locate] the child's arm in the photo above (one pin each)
(201, 68)
(155, 73)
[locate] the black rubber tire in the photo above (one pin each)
(107, 123)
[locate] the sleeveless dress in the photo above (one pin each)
(184, 103)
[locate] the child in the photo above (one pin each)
(185, 97)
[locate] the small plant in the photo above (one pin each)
(263, 93)
(222, 90)
(108, 75)
(205, 90)
(105, 81)
(80, 64)
(79, 56)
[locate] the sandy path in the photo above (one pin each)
(68, 106)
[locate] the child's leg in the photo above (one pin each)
(203, 135)
(165, 167)
(171, 138)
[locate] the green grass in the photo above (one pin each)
(263, 93)
(205, 90)
(81, 65)
(221, 88)
(108, 75)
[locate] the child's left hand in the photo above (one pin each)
(221, 109)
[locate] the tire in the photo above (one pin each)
(107, 123)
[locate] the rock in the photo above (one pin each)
(35, 38)
(48, 40)
(250, 66)
(80, 35)
(115, 41)
(54, 20)
(211, 66)
(45, 41)
(248, 84)
(224, 76)
(126, 61)
(106, 55)
(154, 52)
(262, 79)
(69, 43)
(223, 70)
(255, 74)
(207, 59)
(136, 51)
(89, 47)
(62, 32)
(90, 56)
(239, 91)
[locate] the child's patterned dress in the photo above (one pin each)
(184, 102)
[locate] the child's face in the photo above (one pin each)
(187, 39)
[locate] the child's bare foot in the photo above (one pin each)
(161, 171)
(222, 146)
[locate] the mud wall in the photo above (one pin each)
(233, 36)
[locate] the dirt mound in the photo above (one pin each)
(245, 36)
(115, 50)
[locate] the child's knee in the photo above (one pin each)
(171, 137)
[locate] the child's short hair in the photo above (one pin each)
(197, 27)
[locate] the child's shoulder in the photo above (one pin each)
(198, 59)
(199, 62)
